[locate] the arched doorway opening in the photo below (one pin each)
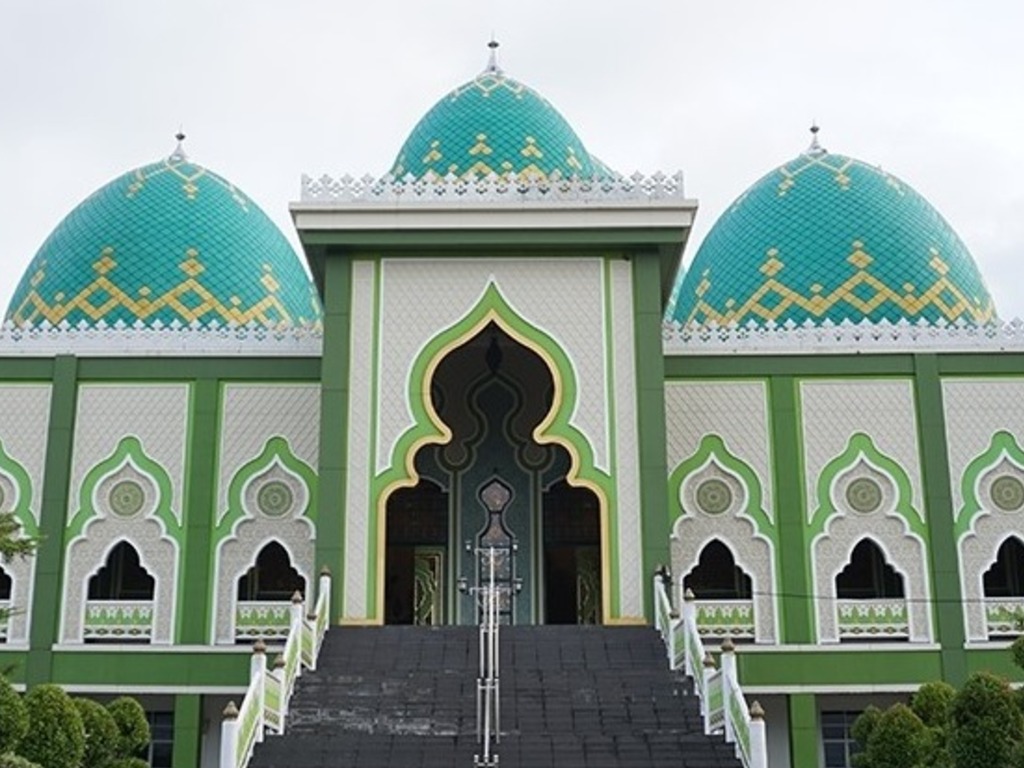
(492, 392)
(868, 576)
(122, 577)
(272, 577)
(1004, 591)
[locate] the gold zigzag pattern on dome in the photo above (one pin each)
(176, 166)
(102, 296)
(481, 149)
(942, 295)
(838, 166)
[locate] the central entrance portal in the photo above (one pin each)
(492, 483)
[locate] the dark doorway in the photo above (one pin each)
(867, 576)
(1006, 576)
(572, 555)
(417, 533)
(272, 577)
(122, 577)
(716, 575)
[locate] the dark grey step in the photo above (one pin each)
(570, 696)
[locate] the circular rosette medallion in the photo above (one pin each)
(864, 495)
(275, 499)
(1008, 493)
(714, 496)
(126, 498)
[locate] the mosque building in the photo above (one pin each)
(816, 426)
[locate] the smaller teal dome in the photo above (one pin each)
(830, 238)
(167, 243)
(494, 124)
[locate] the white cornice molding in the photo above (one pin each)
(842, 338)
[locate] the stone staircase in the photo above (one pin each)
(571, 696)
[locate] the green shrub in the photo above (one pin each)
(13, 717)
(55, 737)
(129, 762)
(132, 726)
(898, 739)
(932, 703)
(101, 734)
(10, 760)
(985, 723)
(1017, 651)
(861, 732)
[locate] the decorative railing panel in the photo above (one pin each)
(880, 619)
(1004, 616)
(5, 619)
(262, 620)
(718, 619)
(118, 620)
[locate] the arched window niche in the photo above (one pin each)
(263, 608)
(870, 597)
(724, 595)
(6, 587)
(1003, 585)
(120, 599)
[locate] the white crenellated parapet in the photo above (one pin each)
(123, 339)
(847, 337)
(490, 189)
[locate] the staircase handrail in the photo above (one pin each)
(265, 704)
(722, 702)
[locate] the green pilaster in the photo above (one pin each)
(938, 503)
(803, 730)
(188, 727)
(330, 537)
(193, 595)
(650, 412)
(790, 511)
(46, 592)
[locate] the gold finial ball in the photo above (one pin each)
(728, 646)
(230, 711)
(756, 712)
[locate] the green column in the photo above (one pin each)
(330, 535)
(46, 592)
(803, 730)
(938, 503)
(790, 511)
(194, 593)
(650, 414)
(188, 730)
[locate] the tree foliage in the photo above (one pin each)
(56, 736)
(895, 738)
(101, 734)
(132, 727)
(12, 542)
(11, 760)
(985, 724)
(13, 717)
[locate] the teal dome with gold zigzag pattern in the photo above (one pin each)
(829, 238)
(494, 125)
(167, 243)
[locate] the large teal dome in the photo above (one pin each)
(829, 238)
(167, 243)
(494, 124)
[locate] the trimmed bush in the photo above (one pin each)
(101, 734)
(932, 703)
(10, 760)
(985, 723)
(898, 740)
(132, 726)
(13, 717)
(129, 762)
(55, 737)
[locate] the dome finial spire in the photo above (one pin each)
(815, 150)
(492, 61)
(179, 151)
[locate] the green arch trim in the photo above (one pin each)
(1002, 444)
(860, 447)
(23, 511)
(128, 449)
(275, 448)
(556, 428)
(713, 448)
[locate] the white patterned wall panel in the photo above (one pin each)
(253, 413)
(24, 419)
(627, 447)
(157, 414)
(975, 410)
(832, 411)
(360, 461)
(735, 411)
(563, 297)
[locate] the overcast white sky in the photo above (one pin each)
(932, 90)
